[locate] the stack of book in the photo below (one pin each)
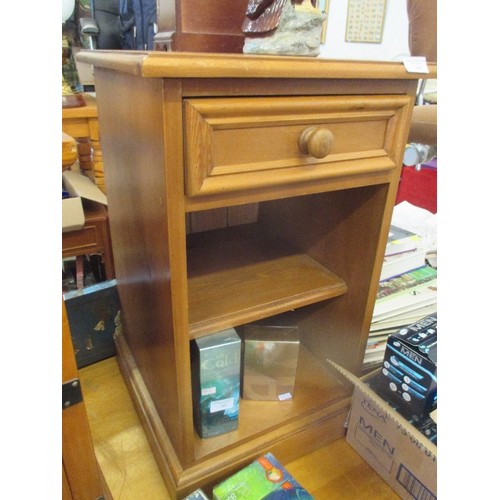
(407, 292)
(403, 253)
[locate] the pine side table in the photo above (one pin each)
(318, 145)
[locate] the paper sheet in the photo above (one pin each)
(419, 221)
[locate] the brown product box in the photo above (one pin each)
(400, 454)
(269, 362)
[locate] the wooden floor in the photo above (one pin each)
(333, 472)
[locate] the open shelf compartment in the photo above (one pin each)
(316, 390)
(235, 277)
(259, 272)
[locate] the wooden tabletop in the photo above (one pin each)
(205, 65)
(88, 111)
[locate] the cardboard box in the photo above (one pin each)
(270, 355)
(392, 446)
(215, 365)
(78, 186)
(264, 478)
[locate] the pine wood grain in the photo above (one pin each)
(273, 280)
(335, 471)
(267, 131)
(190, 65)
(337, 218)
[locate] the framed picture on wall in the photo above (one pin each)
(323, 6)
(365, 21)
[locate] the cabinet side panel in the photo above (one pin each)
(142, 231)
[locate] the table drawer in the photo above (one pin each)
(76, 127)
(86, 240)
(235, 144)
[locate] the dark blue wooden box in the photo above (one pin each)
(94, 318)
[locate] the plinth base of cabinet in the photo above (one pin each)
(288, 442)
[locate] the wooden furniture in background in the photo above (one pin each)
(81, 474)
(81, 123)
(93, 238)
(69, 151)
(189, 133)
(190, 25)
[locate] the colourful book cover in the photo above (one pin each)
(264, 479)
(406, 281)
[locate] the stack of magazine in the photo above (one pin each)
(407, 291)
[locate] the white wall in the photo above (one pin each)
(394, 40)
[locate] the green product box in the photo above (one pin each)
(215, 365)
(265, 478)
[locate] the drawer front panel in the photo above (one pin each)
(76, 127)
(80, 242)
(238, 144)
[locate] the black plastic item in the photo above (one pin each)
(106, 14)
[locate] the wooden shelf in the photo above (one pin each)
(235, 277)
(315, 388)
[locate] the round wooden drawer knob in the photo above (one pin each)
(316, 141)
